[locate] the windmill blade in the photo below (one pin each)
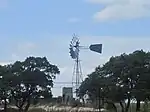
(96, 48)
(77, 52)
(71, 43)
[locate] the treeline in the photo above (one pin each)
(24, 82)
(122, 78)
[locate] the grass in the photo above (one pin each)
(133, 108)
(70, 109)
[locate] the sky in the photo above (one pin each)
(45, 28)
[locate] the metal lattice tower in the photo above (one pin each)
(77, 71)
(77, 74)
(74, 53)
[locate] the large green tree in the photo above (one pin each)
(129, 76)
(30, 80)
(5, 93)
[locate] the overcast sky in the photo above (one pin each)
(45, 28)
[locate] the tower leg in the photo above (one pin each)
(77, 76)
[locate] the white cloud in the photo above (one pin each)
(121, 9)
(74, 20)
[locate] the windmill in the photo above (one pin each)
(75, 54)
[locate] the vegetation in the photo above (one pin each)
(119, 81)
(122, 78)
(23, 83)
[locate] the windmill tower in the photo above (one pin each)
(77, 71)
(75, 55)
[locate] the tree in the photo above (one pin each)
(5, 93)
(129, 75)
(140, 72)
(129, 70)
(31, 79)
(118, 68)
(96, 85)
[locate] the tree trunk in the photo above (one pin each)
(20, 104)
(138, 105)
(27, 106)
(20, 109)
(122, 106)
(103, 102)
(128, 105)
(145, 106)
(111, 106)
(5, 105)
(83, 101)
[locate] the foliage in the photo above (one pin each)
(122, 78)
(27, 81)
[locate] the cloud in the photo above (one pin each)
(115, 10)
(74, 20)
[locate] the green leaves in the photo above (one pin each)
(27, 80)
(123, 77)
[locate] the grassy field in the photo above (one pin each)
(48, 108)
(133, 108)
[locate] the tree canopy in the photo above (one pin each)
(121, 79)
(26, 81)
